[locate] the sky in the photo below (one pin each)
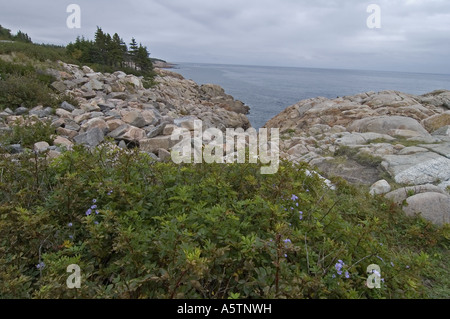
(414, 34)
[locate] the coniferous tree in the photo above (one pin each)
(142, 59)
(132, 52)
(22, 37)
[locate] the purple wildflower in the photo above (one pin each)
(41, 265)
(70, 224)
(294, 197)
(89, 212)
(94, 201)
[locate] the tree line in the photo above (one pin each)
(5, 34)
(111, 51)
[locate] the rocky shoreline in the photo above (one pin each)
(396, 143)
(118, 106)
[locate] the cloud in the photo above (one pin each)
(322, 33)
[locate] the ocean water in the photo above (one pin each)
(269, 90)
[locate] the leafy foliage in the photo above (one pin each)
(28, 131)
(143, 229)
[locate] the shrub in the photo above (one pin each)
(25, 91)
(141, 229)
(29, 131)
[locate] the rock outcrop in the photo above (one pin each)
(370, 136)
(118, 106)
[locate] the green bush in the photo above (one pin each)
(25, 91)
(141, 229)
(28, 131)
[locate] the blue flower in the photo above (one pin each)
(347, 275)
(110, 192)
(285, 255)
(287, 241)
(294, 197)
(70, 224)
(94, 207)
(334, 276)
(70, 236)
(41, 265)
(97, 212)
(89, 212)
(296, 204)
(96, 222)
(94, 201)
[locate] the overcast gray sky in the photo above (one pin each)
(414, 34)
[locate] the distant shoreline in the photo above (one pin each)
(161, 64)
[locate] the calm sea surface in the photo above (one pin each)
(269, 90)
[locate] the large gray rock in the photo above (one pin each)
(434, 207)
(400, 195)
(186, 122)
(380, 187)
(361, 138)
(96, 123)
(152, 145)
(59, 86)
(155, 131)
(443, 131)
(119, 131)
(134, 118)
(441, 149)
(91, 138)
(437, 121)
(21, 110)
(387, 125)
(40, 111)
(67, 106)
(422, 168)
(40, 147)
(93, 85)
(134, 134)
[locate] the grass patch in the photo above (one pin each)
(362, 158)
